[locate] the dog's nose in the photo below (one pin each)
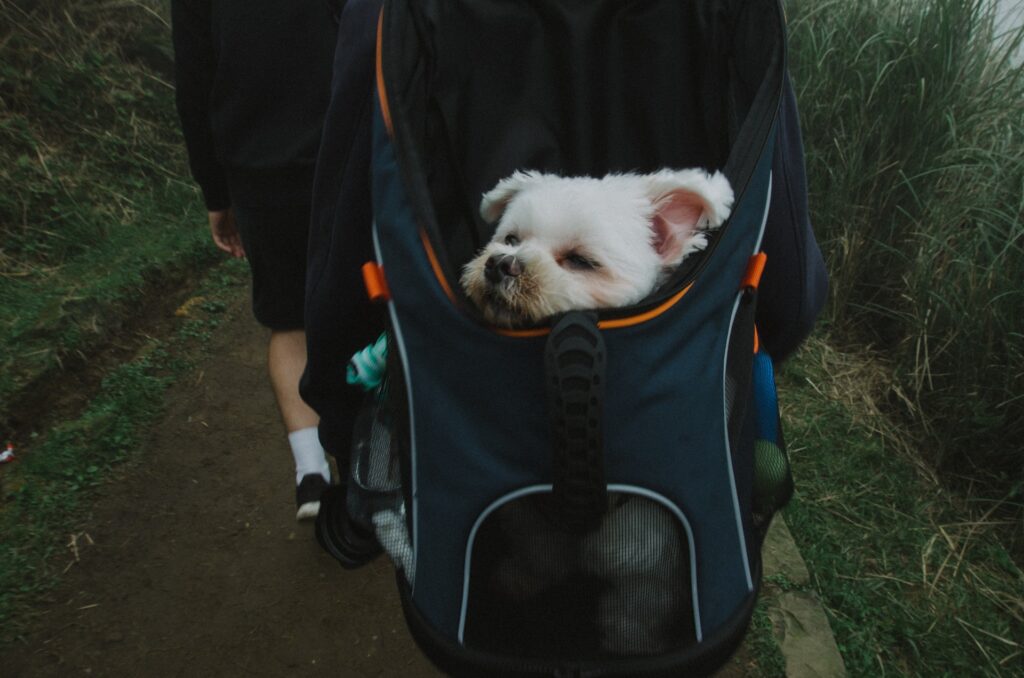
(501, 266)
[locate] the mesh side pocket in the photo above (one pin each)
(773, 483)
(539, 590)
(773, 480)
(375, 498)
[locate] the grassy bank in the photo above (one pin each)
(99, 224)
(96, 210)
(914, 125)
(916, 581)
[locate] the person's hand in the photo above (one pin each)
(225, 232)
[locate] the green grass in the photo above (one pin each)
(914, 126)
(96, 208)
(97, 219)
(761, 643)
(916, 583)
(43, 493)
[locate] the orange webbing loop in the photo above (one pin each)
(751, 279)
(755, 267)
(376, 284)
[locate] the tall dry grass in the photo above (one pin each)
(913, 115)
(96, 207)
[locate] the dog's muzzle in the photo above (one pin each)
(498, 267)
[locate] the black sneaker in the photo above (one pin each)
(307, 495)
(348, 543)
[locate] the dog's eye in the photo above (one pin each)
(512, 239)
(579, 262)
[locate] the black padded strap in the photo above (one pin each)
(575, 371)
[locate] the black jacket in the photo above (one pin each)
(252, 84)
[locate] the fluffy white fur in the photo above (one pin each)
(573, 243)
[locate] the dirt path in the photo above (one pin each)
(191, 563)
(197, 566)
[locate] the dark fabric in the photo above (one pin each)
(339, 319)
(566, 103)
(794, 285)
(252, 82)
(287, 187)
(274, 239)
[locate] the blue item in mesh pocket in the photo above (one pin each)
(366, 368)
(586, 497)
(773, 482)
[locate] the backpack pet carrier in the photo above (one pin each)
(588, 497)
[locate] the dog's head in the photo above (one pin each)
(575, 243)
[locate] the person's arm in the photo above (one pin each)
(795, 283)
(194, 69)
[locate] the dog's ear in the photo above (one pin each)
(497, 199)
(686, 202)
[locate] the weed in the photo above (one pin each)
(761, 642)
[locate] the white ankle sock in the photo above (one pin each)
(309, 455)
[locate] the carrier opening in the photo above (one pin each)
(618, 590)
(479, 89)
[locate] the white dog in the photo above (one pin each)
(578, 243)
(575, 243)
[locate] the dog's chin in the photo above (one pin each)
(498, 310)
(508, 303)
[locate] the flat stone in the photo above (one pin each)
(780, 555)
(805, 637)
(800, 623)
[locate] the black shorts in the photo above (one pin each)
(275, 240)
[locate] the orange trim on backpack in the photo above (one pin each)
(376, 284)
(382, 95)
(755, 267)
(757, 341)
(613, 324)
(436, 265)
(616, 323)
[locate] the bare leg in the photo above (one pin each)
(286, 359)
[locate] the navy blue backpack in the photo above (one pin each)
(586, 497)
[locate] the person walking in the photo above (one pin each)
(252, 84)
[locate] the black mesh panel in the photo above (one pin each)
(540, 591)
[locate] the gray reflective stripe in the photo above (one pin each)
(725, 404)
(654, 496)
(764, 219)
(396, 330)
(728, 451)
